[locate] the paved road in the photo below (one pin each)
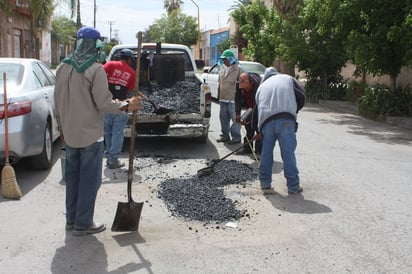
(354, 215)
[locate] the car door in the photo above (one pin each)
(50, 90)
(42, 101)
(212, 79)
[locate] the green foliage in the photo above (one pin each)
(317, 45)
(63, 30)
(379, 102)
(175, 28)
(355, 90)
(6, 7)
(260, 28)
(316, 91)
(41, 12)
(380, 32)
(224, 45)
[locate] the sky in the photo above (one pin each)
(127, 17)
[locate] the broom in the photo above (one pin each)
(9, 186)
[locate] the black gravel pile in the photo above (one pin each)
(183, 97)
(203, 199)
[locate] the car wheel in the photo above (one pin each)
(44, 159)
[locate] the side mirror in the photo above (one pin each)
(199, 63)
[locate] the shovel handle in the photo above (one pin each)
(134, 120)
(234, 151)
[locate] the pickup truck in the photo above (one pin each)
(185, 94)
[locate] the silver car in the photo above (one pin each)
(211, 75)
(32, 120)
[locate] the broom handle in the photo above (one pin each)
(6, 123)
(134, 120)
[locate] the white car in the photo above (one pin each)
(32, 118)
(210, 76)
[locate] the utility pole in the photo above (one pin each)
(198, 29)
(111, 23)
(94, 14)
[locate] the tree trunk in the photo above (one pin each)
(393, 84)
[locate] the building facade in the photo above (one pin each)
(16, 38)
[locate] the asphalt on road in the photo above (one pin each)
(354, 215)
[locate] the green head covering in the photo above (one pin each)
(86, 49)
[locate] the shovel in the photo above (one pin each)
(157, 110)
(210, 169)
(128, 214)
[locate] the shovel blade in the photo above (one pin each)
(205, 171)
(127, 216)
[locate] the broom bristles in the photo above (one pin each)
(9, 186)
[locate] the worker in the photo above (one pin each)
(122, 80)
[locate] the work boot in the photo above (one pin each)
(223, 140)
(95, 228)
(115, 165)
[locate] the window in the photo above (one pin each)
(22, 3)
(39, 73)
(17, 43)
(50, 76)
(14, 73)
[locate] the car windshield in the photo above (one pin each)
(253, 67)
(14, 73)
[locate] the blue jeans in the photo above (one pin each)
(113, 135)
(83, 174)
(227, 113)
(282, 130)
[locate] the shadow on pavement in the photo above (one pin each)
(296, 204)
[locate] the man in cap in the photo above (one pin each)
(277, 112)
(122, 80)
(81, 98)
(228, 76)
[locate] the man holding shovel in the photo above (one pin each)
(122, 80)
(81, 98)
(277, 107)
(245, 97)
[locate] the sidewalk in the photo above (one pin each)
(350, 107)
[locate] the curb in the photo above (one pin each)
(350, 107)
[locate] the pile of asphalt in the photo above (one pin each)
(183, 97)
(203, 198)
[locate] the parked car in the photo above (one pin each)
(32, 119)
(210, 76)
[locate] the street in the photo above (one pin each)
(354, 215)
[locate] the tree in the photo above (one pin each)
(175, 28)
(316, 43)
(63, 30)
(74, 6)
(260, 27)
(172, 5)
(5, 7)
(238, 13)
(380, 32)
(40, 16)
